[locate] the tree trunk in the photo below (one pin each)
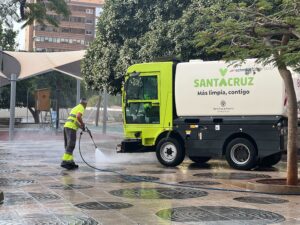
(292, 162)
(35, 114)
(98, 110)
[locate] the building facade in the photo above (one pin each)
(74, 33)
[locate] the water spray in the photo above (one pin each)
(90, 133)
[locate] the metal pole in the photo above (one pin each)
(58, 87)
(78, 91)
(98, 110)
(57, 108)
(13, 81)
(104, 111)
(27, 105)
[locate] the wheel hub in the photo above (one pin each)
(240, 154)
(168, 152)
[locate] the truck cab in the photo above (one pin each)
(147, 104)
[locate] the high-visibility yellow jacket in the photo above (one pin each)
(72, 121)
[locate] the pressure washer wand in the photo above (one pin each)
(90, 133)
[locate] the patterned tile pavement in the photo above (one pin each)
(130, 189)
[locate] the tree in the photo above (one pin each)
(30, 11)
(7, 38)
(135, 31)
(27, 88)
(265, 29)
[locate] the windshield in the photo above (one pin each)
(142, 88)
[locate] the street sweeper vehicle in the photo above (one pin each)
(206, 110)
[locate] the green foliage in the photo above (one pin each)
(30, 12)
(264, 29)
(7, 39)
(137, 31)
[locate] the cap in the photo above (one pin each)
(83, 100)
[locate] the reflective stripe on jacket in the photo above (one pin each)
(72, 121)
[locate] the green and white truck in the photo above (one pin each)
(205, 110)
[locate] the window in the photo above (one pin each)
(46, 39)
(64, 40)
(89, 21)
(38, 39)
(88, 32)
(65, 30)
(141, 88)
(82, 42)
(77, 31)
(142, 113)
(77, 19)
(40, 50)
(89, 11)
(78, 8)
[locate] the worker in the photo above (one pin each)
(71, 126)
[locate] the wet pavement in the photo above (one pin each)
(130, 189)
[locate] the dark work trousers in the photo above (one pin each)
(70, 140)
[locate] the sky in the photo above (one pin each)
(20, 40)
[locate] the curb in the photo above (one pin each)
(275, 189)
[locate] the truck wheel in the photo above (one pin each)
(271, 160)
(241, 154)
(199, 159)
(169, 152)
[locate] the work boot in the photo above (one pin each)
(69, 165)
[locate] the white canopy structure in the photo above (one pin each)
(29, 64)
(16, 66)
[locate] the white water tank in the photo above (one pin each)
(217, 88)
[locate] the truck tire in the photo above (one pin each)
(241, 154)
(197, 159)
(169, 152)
(271, 160)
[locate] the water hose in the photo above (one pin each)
(163, 183)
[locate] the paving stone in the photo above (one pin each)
(157, 172)
(70, 186)
(220, 214)
(232, 176)
(15, 182)
(17, 198)
(103, 205)
(159, 193)
(119, 178)
(261, 200)
(199, 183)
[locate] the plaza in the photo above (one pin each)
(129, 188)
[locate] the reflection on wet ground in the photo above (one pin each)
(131, 189)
